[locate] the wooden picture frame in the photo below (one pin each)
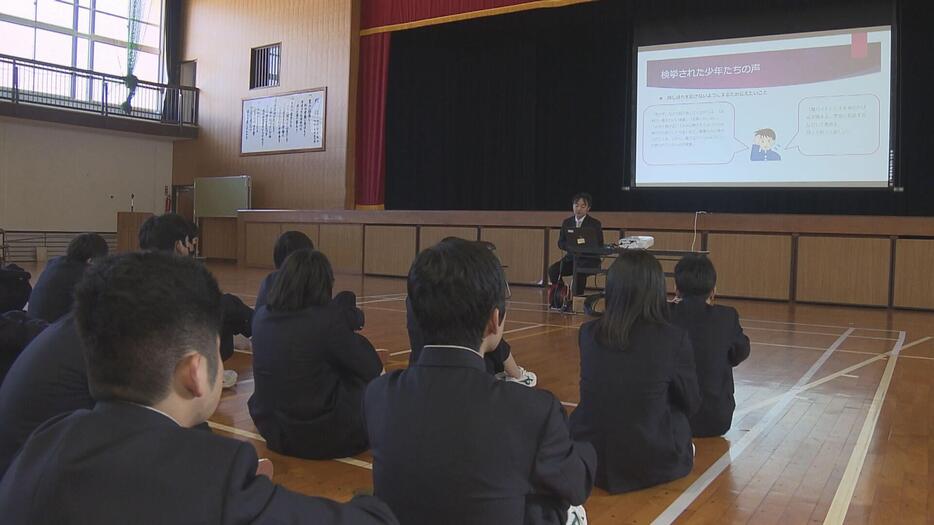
(290, 122)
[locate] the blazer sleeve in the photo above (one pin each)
(563, 236)
(563, 468)
(739, 348)
(354, 353)
(684, 387)
(255, 499)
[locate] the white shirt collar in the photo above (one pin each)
(577, 222)
(156, 410)
(471, 350)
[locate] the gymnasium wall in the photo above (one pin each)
(318, 40)
(62, 178)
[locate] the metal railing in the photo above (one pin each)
(41, 83)
(25, 246)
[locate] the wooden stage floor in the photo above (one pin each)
(834, 418)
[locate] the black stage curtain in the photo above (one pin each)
(519, 112)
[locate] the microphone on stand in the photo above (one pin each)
(132, 197)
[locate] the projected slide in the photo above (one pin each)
(809, 110)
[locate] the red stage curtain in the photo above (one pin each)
(371, 120)
(376, 13)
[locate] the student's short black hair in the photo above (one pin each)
(87, 246)
(305, 279)
(453, 287)
(582, 195)
(138, 315)
(635, 294)
(695, 276)
(289, 242)
(163, 231)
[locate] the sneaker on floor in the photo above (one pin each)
(577, 515)
(230, 378)
(527, 378)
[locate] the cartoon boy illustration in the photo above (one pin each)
(763, 141)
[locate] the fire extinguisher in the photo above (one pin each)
(168, 200)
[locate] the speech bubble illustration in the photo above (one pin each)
(837, 125)
(690, 134)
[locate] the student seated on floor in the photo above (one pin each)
(718, 340)
(500, 362)
(287, 243)
(309, 364)
(17, 329)
(48, 378)
(638, 384)
(171, 233)
(149, 323)
(53, 294)
(453, 445)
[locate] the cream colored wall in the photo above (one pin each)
(66, 178)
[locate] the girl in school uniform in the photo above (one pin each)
(638, 384)
(310, 365)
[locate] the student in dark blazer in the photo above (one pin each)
(310, 365)
(17, 329)
(149, 323)
(718, 340)
(171, 233)
(288, 242)
(638, 385)
(580, 205)
(48, 378)
(53, 294)
(453, 445)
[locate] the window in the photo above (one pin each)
(264, 66)
(86, 34)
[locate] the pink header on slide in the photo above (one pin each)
(765, 68)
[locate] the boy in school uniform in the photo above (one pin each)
(171, 233)
(53, 294)
(452, 444)
(718, 340)
(149, 323)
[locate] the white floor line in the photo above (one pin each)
(772, 416)
(252, 435)
(841, 499)
(383, 300)
(237, 350)
(817, 333)
(245, 381)
(743, 319)
(569, 404)
(402, 352)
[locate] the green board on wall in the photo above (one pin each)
(221, 196)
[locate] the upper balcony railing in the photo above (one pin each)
(41, 83)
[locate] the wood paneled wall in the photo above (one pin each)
(847, 270)
(521, 250)
(389, 250)
(914, 273)
(757, 266)
(317, 37)
(343, 244)
(218, 237)
(431, 235)
(259, 239)
(836, 259)
(128, 224)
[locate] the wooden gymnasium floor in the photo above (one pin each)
(834, 418)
